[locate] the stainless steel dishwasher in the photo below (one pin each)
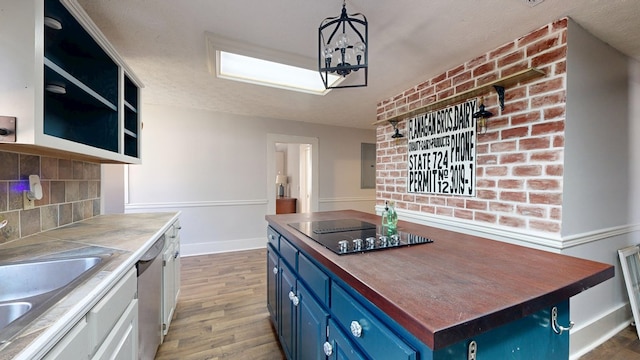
(150, 301)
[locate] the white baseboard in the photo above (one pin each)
(588, 337)
(215, 247)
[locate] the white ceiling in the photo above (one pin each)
(410, 41)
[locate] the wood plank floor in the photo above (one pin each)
(222, 314)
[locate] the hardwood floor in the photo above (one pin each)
(623, 346)
(222, 314)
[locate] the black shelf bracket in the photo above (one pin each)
(500, 91)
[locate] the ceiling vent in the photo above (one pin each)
(532, 3)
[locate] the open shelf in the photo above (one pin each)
(76, 53)
(55, 75)
(131, 118)
(504, 82)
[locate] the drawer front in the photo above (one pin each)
(273, 238)
(289, 253)
(122, 342)
(340, 346)
(315, 278)
(375, 338)
(75, 344)
(103, 317)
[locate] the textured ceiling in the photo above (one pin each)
(410, 41)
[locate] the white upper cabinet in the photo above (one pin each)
(70, 92)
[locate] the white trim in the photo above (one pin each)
(539, 240)
(584, 238)
(346, 199)
(215, 247)
(195, 204)
(587, 337)
(549, 242)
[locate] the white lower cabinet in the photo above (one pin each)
(74, 345)
(108, 331)
(170, 275)
(122, 341)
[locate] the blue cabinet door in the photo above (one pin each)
(272, 285)
(287, 311)
(341, 347)
(312, 326)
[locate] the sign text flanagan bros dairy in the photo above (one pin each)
(442, 151)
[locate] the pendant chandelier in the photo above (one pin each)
(343, 48)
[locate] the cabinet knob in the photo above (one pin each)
(356, 329)
(328, 349)
(294, 299)
(175, 256)
(275, 270)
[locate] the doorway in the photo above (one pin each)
(293, 162)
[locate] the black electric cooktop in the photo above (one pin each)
(351, 236)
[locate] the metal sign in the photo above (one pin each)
(442, 151)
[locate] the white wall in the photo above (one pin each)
(213, 168)
(601, 168)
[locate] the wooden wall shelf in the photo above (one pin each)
(504, 82)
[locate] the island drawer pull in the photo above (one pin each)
(328, 349)
(554, 322)
(294, 299)
(356, 329)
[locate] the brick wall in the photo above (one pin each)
(520, 158)
(71, 192)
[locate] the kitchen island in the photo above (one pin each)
(125, 237)
(458, 297)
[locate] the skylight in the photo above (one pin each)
(268, 73)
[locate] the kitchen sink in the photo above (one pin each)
(13, 310)
(30, 288)
(24, 280)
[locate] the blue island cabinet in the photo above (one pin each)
(318, 316)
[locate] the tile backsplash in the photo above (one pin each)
(71, 192)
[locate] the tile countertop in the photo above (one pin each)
(127, 236)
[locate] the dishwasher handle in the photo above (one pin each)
(154, 251)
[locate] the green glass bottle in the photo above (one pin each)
(392, 218)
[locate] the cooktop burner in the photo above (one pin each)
(349, 236)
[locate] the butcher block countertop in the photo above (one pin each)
(454, 288)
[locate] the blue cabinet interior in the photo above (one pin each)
(81, 88)
(326, 306)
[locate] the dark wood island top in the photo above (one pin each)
(454, 288)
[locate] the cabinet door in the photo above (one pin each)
(287, 311)
(311, 326)
(272, 285)
(168, 291)
(122, 342)
(340, 348)
(176, 262)
(103, 317)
